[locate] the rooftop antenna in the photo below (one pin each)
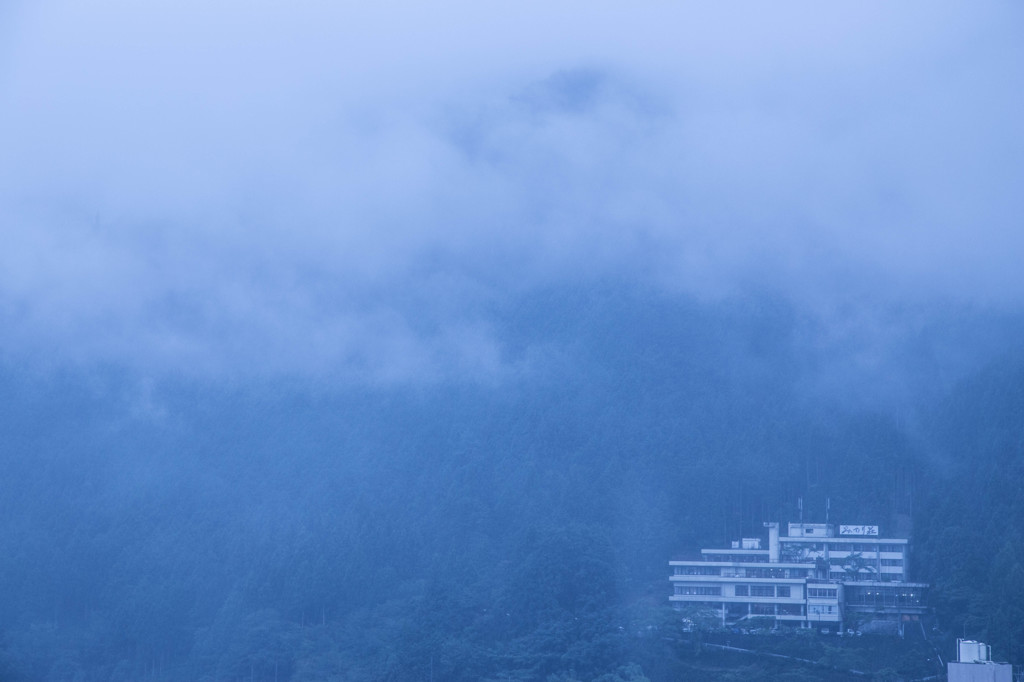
(800, 506)
(828, 505)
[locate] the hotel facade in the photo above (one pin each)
(808, 577)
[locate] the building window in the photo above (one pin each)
(762, 591)
(698, 570)
(742, 591)
(696, 589)
(782, 591)
(764, 572)
(892, 562)
(821, 592)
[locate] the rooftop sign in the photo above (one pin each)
(858, 530)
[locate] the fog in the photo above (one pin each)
(315, 311)
(307, 189)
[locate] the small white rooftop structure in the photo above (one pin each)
(811, 530)
(970, 651)
(974, 664)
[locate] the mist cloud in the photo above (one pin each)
(302, 188)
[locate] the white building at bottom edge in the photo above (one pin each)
(809, 577)
(974, 664)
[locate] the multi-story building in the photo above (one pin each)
(809, 577)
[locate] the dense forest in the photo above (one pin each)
(510, 529)
(410, 342)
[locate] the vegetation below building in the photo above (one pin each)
(479, 533)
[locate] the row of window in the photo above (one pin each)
(762, 591)
(840, 560)
(698, 590)
(822, 592)
(886, 600)
(698, 570)
(840, 547)
(744, 571)
(738, 558)
(867, 575)
(740, 590)
(759, 572)
(737, 611)
(863, 547)
(880, 591)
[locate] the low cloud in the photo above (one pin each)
(305, 189)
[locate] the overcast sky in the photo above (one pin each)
(312, 186)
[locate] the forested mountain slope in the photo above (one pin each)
(972, 510)
(517, 527)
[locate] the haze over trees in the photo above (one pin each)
(406, 343)
(485, 531)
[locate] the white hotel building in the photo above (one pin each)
(809, 577)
